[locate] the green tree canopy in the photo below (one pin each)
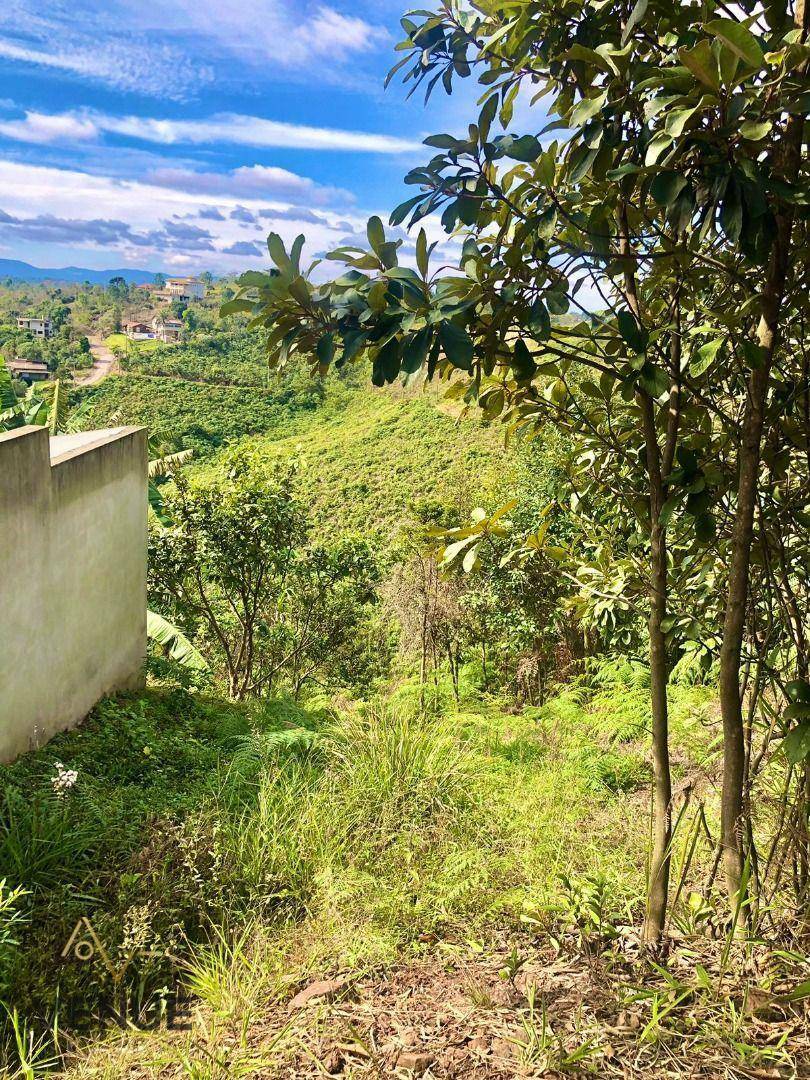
(661, 173)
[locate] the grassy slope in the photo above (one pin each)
(201, 416)
(367, 457)
(392, 832)
(370, 459)
(121, 341)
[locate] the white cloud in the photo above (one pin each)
(331, 33)
(51, 216)
(169, 48)
(160, 70)
(290, 35)
(142, 224)
(232, 128)
(47, 128)
(251, 181)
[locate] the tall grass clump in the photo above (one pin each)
(390, 771)
(357, 828)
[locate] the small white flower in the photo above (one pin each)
(64, 779)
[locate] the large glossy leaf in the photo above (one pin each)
(796, 744)
(8, 399)
(457, 345)
(739, 39)
(702, 62)
(376, 234)
(275, 245)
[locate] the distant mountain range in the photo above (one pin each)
(22, 271)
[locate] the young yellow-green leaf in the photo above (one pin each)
(636, 15)
(656, 147)
(586, 109)
(375, 233)
(754, 130)
(702, 62)
(546, 167)
(677, 120)
(705, 356)
(546, 223)
(590, 56)
(491, 402)
(739, 39)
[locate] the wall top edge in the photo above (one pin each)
(65, 447)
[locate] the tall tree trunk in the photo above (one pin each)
(660, 855)
(733, 796)
(661, 851)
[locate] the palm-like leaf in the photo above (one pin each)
(174, 642)
(58, 407)
(162, 467)
(8, 399)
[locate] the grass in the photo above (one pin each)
(361, 831)
(122, 342)
(369, 461)
(246, 847)
(197, 415)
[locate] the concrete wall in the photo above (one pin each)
(72, 577)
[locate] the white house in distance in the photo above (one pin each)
(167, 330)
(41, 328)
(184, 288)
(138, 331)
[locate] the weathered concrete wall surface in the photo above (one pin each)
(72, 577)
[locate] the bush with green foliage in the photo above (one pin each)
(233, 566)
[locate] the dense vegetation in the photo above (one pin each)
(678, 197)
(355, 836)
(227, 355)
(66, 351)
(196, 415)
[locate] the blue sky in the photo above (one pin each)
(175, 134)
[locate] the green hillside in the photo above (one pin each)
(202, 416)
(367, 458)
(379, 458)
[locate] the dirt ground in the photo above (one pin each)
(457, 1015)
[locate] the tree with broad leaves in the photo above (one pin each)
(664, 175)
